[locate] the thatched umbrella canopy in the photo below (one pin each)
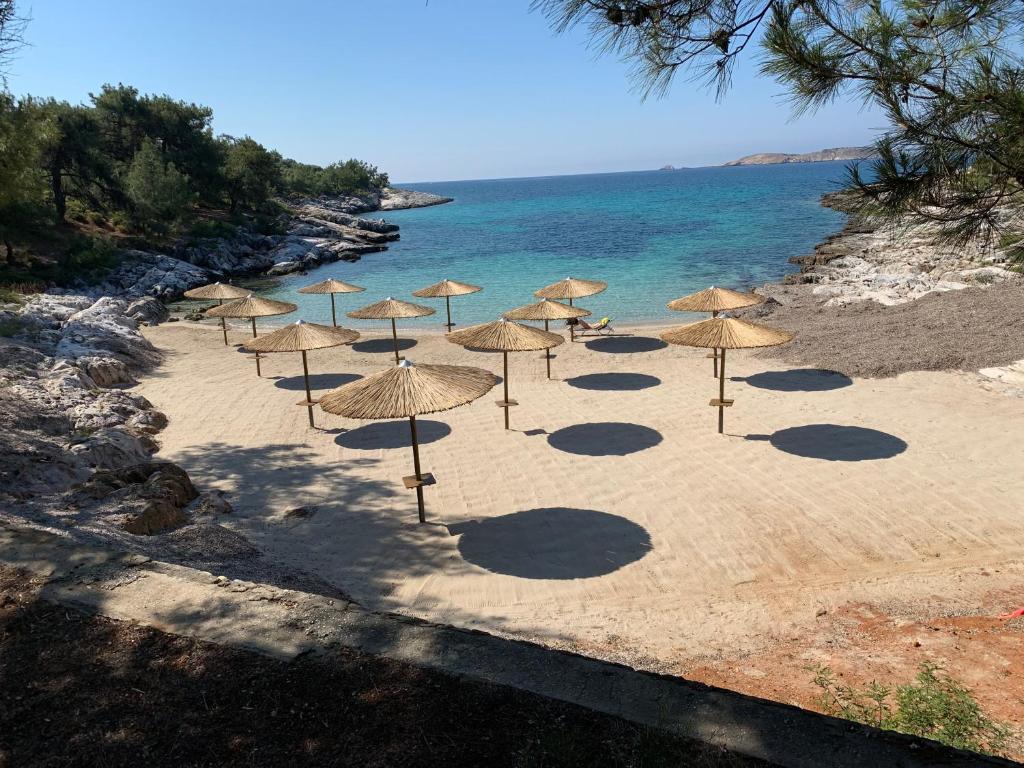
(546, 310)
(391, 309)
(506, 336)
(253, 306)
(714, 300)
(301, 336)
(571, 288)
(218, 292)
(446, 288)
(332, 287)
(407, 391)
(724, 333)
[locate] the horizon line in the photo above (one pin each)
(608, 173)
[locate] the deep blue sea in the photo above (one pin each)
(652, 235)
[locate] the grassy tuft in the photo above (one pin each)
(933, 706)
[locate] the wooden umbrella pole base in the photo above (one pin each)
(419, 479)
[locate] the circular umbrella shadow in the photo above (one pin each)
(317, 381)
(625, 344)
(798, 380)
(552, 543)
(392, 434)
(618, 382)
(834, 442)
(604, 438)
(383, 345)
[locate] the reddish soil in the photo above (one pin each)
(862, 643)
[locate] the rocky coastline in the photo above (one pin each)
(877, 300)
(315, 232)
(868, 261)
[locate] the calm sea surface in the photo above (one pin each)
(652, 235)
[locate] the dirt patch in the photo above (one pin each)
(965, 330)
(80, 690)
(864, 643)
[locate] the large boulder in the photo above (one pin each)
(148, 310)
(112, 448)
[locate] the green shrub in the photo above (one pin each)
(88, 259)
(934, 706)
(210, 228)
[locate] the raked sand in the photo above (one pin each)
(613, 519)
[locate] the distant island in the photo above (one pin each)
(821, 156)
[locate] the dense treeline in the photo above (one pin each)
(142, 164)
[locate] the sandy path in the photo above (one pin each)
(613, 518)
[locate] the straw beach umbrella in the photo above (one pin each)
(407, 391)
(253, 306)
(724, 333)
(332, 287)
(390, 309)
(302, 337)
(446, 288)
(505, 336)
(571, 288)
(546, 310)
(714, 300)
(218, 291)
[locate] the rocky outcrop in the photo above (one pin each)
(62, 415)
(393, 199)
(821, 156)
(867, 261)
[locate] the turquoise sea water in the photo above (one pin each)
(652, 235)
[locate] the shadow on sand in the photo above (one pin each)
(614, 382)
(834, 442)
(383, 345)
(317, 381)
(798, 380)
(618, 345)
(392, 434)
(552, 543)
(604, 438)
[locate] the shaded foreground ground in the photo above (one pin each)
(81, 690)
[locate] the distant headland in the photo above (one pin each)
(821, 156)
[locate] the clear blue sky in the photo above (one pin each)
(450, 89)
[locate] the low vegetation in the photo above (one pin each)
(933, 706)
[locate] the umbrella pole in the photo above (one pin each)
(547, 353)
(394, 335)
(504, 381)
(572, 328)
(258, 373)
(721, 394)
(305, 379)
(448, 306)
(334, 315)
(223, 323)
(714, 350)
(416, 467)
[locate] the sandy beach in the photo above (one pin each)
(613, 519)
